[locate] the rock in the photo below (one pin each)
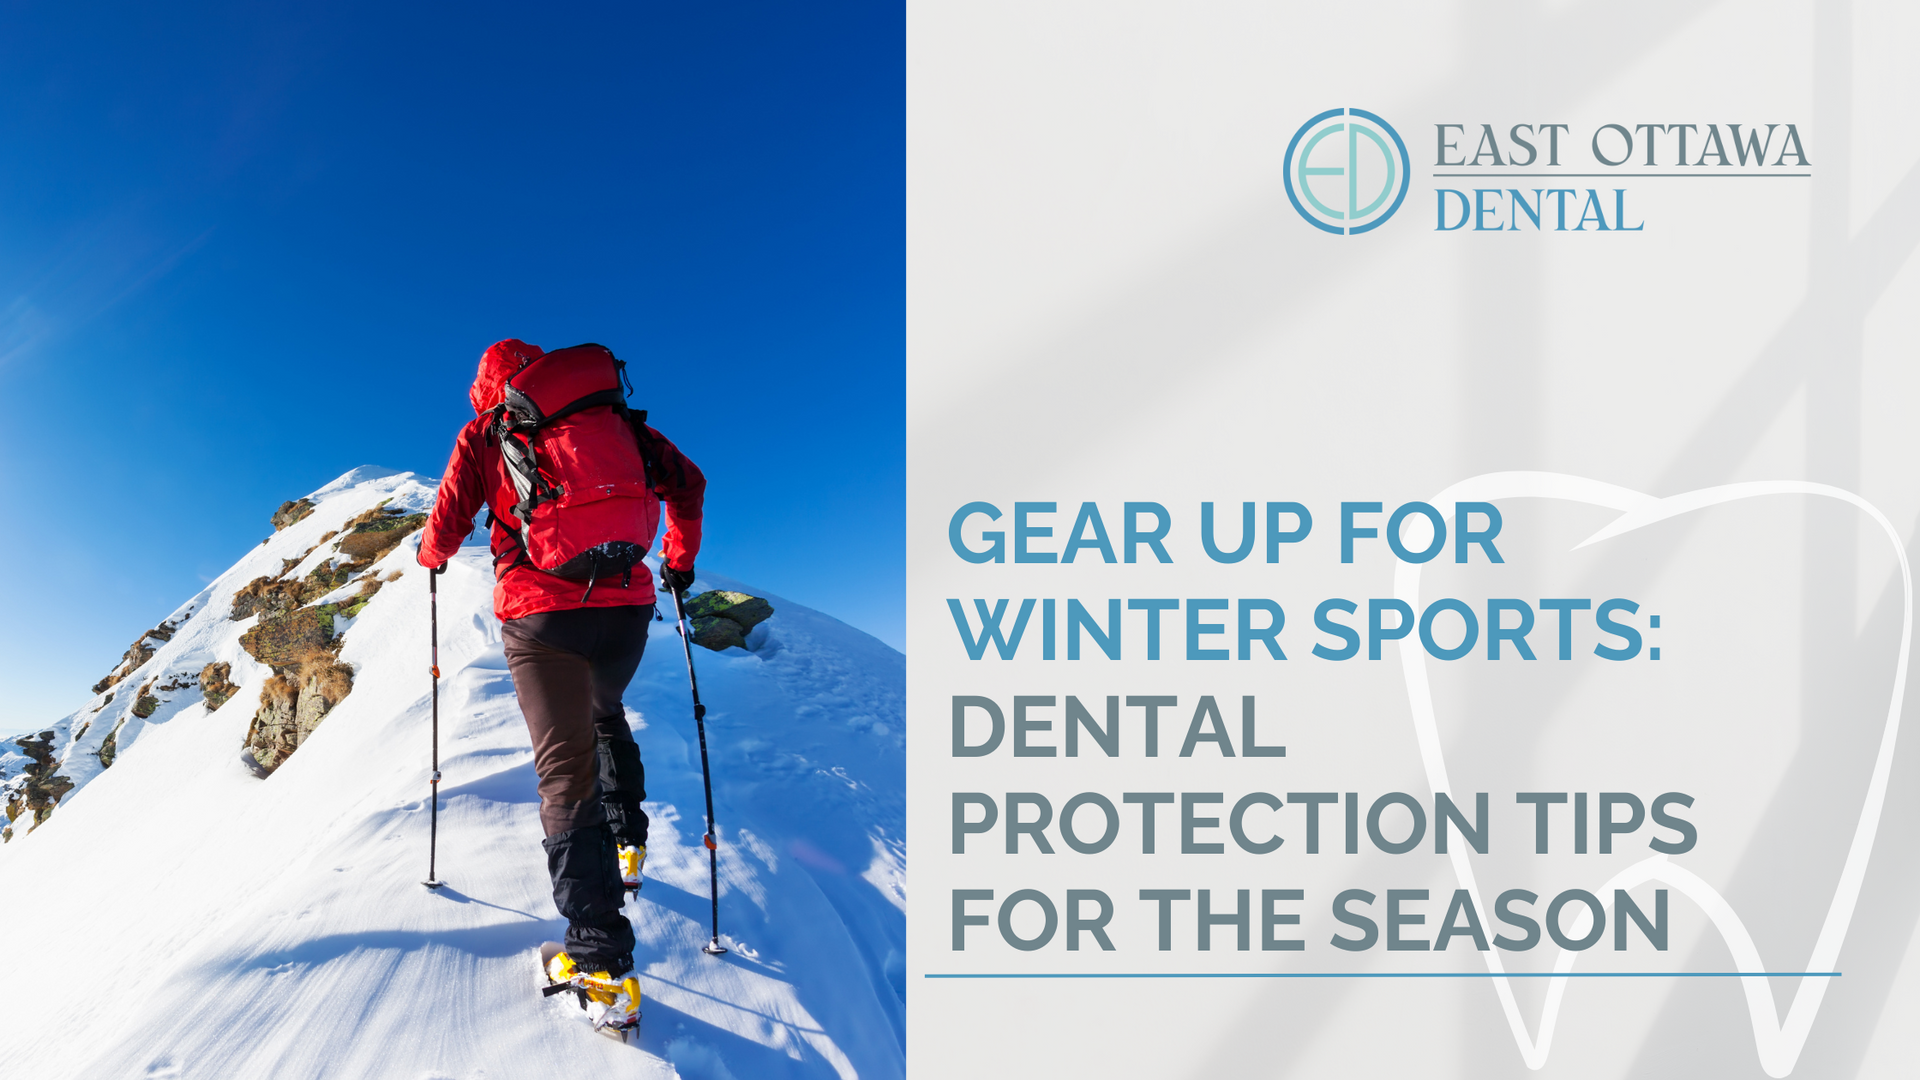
(150, 697)
(138, 653)
(716, 633)
(722, 618)
(311, 709)
(267, 598)
(324, 579)
(285, 641)
(291, 708)
(299, 644)
(145, 703)
(272, 735)
(369, 540)
(747, 611)
(110, 746)
(290, 511)
(272, 596)
(214, 685)
(379, 511)
(44, 787)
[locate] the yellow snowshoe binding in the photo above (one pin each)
(613, 1005)
(632, 858)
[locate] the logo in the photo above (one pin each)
(1347, 171)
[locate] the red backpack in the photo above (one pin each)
(574, 453)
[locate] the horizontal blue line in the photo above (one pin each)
(1385, 975)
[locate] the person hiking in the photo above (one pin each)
(574, 484)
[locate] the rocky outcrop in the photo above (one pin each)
(367, 539)
(288, 640)
(296, 637)
(292, 632)
(141, 651)
(43, 787)
(110, 746)
(287, 634)
(323, 579)
(721, 619)
(292, 706)
(290, 511)
(277, 597)
(273, 735)
(307, 683)
(371, 535)
(215, 685)
(154, 693)
(135, 656)
(145, 704)
(267, 597)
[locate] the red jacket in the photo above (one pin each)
(476, 475)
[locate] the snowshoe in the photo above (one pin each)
(632, 858)
(612, 1005)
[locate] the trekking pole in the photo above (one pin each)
(433, 786)
(712, 947)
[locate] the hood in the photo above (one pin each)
(501, 361)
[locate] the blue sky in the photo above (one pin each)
(245, 248)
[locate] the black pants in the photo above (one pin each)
(570, 670)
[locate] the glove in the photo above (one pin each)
(677, 581)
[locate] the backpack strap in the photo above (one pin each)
(611, 397)
(522, 414)
(517, 424)
(523, 465)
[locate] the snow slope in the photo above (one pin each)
(179, 917)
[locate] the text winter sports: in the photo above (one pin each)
(1415, 532)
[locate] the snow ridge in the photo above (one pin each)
(277, 927)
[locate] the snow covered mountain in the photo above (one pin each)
(189, 908)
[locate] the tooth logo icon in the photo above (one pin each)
(1778, 1041)
(1347, 171)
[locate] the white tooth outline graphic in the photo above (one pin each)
(1778, 1044)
